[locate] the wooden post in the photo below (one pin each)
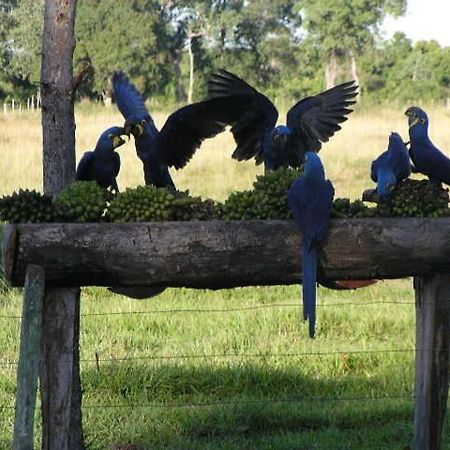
(432, 359)
(28, 370)
(59, 369)
(60, 380)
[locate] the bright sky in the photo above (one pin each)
(424, 20)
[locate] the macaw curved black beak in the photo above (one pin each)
(280, 139)
(412, 117)
(127, 129)
(118, 141)
(135, 129)
(371, 195)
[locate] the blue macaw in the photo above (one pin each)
(102, 164)
(427, 159)
(310, 122)
(311, 200)
(181, 135)
(391, 167)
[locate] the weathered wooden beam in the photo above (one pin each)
(432, 359)
(29, 358)
(220, 254)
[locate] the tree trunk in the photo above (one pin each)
(179, 88)
(191, 70)
(60, 380)
(354, 70)
(331, 69)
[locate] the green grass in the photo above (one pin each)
(262, 383)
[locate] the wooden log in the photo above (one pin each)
(432, 359)
(223, 254)
(29, 358)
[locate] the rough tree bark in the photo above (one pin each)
(60, 380)
(331, 69)
(354, 70)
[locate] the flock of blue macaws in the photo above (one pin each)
(252, 117)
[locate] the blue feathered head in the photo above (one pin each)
(110, 139)
(280, 134)
(417, 118)
(313, 166)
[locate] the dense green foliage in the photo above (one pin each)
(288, 48)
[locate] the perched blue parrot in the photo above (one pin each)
(427, 159)
(102, 164)
(181, 135)
(310, 122)
(391, 167)
(311, 200)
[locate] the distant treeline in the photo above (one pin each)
(286, 48)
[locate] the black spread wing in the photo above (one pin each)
(256, 120)
(186, 128)
(314, 120)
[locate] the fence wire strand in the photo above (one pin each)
(237, 355)
(222, 310)
(272, 401)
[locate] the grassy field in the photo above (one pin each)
(232, 369)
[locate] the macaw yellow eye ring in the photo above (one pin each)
(422, 120)
(143, 122)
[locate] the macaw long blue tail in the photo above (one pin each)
(309, 274)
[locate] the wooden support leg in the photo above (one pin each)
(432, 359)
(28, 369)
(60, 394)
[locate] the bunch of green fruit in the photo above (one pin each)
(344, 208)
(267, 200)
(240, 205)
(30, 206)
(141, 204)
(416, 198)
(185, 207)
(85, 201)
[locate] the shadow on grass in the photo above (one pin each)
(241, 402)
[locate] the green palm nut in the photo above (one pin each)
(85, 200)
(416, 198)
(30, 206)
(143, 203)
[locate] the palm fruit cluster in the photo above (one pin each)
(416, 198)
(85, 201)
(185, 207)
(344, 208)
(141, 204)
(267, 200)
(30, 206)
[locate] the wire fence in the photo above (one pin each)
(224, 403)
(225, 310)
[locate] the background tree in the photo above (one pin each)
(345, 28)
